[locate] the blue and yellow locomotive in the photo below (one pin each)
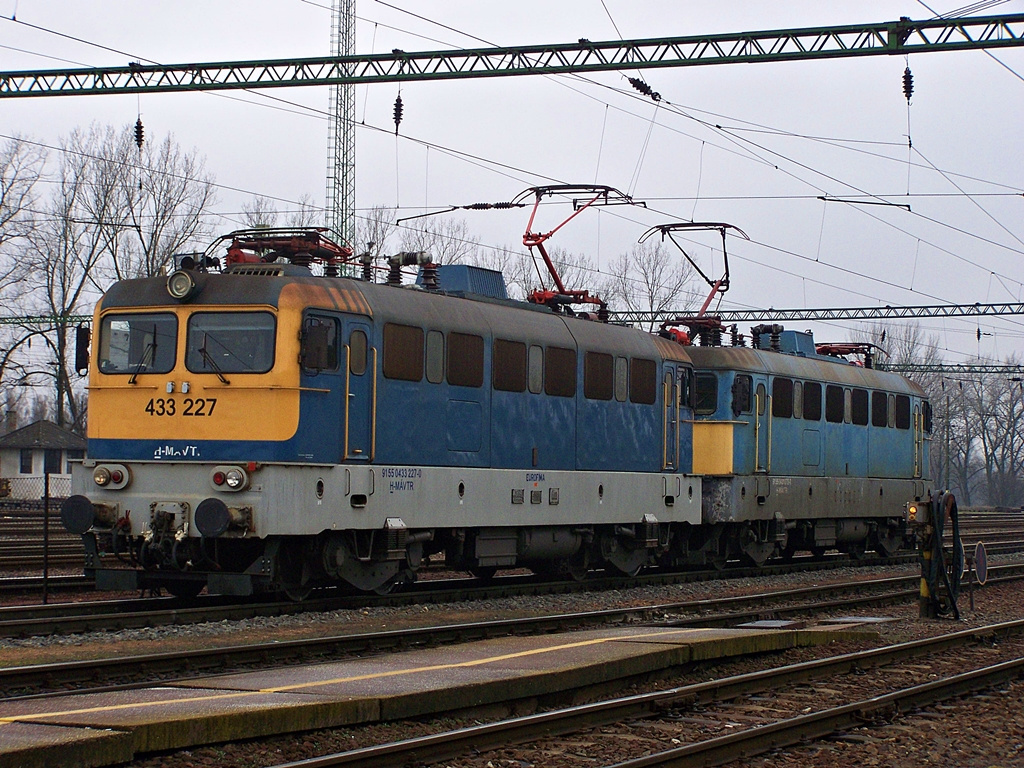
(804, 451)
(260, 428)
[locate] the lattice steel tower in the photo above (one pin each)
(341, 138)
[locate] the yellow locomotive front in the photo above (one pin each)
(195, 402)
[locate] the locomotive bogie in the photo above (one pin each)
(530, 516)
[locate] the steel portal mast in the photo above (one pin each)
(341, 140)
(905, 36)
(829, 313)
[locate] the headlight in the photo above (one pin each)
(113, 477)
(181, 285)
(234, 478)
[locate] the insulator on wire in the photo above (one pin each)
(398, 112)
(644, 88)
(139, 133)
(908, 84)
(491, 206)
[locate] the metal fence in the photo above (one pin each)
(33, 543)
(33, 489)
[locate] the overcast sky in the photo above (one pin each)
(752, 145)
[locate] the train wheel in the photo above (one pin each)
(484, 572)
(889, 543)
(752, 550)
(578, 566)
(720, 548)
(186, 590)
(298, 593)
(397, 583)
(857, 550)
(573, 568)
(293, 572)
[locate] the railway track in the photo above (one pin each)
(118, 614)
(135, 671)
(115, 615)
(21, 536)
(734, 718)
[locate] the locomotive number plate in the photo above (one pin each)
(169, 406)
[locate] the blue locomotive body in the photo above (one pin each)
(384, 424)
(264, 429)
(805, 451)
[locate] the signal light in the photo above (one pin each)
(218, 478)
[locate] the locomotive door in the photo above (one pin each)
(762, 430)
(670, 418)
(918, 426)
(323, 382)
(360, 366)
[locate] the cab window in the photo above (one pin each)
(230, 342)
(142, 343)
(707, 393)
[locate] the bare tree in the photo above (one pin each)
(66, 249)
(262, 212)
(162, 195)
(307, 214)
(650, 279)
(21, 165)
(259, 212)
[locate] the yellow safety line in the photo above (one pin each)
(335, 681)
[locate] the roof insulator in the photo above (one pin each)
(908, 84)
(644, 88)
(139, 133)
(398, 112)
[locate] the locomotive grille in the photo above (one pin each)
(264, 270)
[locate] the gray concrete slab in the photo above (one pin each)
(173, 717)
(394, 686)
(32, 745)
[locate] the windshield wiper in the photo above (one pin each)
(213, 363)
(148, 353)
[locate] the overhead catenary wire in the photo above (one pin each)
(427, 144)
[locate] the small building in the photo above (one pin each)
(27, 454)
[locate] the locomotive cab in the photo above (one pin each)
(266, 429)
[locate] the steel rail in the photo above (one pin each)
(114, 615)
(99, 673)
(452, 744)
(901, 37)
(70, 618)
(760, 739)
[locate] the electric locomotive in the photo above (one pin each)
(258, 428)
(801, 450)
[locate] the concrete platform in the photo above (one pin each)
(97, 729)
